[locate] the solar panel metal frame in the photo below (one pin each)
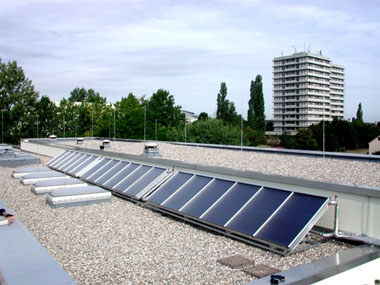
(278, 248)
(72, 161)
(64, 160)
(149, 186)
(109, 171)
(60, 158)
(118, 173)
(84, 166)
(100, 169)
(88, 167)
(72, 167)
(54, 159)
(128, 176)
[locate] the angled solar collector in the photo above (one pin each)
(72, 162)
(72, 159)
(61, 158)
(82, 166)
(79, 164)
(58, 157)
(142, 185)
(130, 167)
(112, 172)
(272, 218)
(131, 178)
(111, 163)
(94, 168)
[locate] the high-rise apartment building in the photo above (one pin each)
(307, 88)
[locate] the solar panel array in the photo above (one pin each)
(260, 213)
(123, 177)
(274, 218)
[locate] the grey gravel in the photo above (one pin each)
(120, 242)
(312, 168)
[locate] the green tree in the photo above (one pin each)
(129, 117)
(287, 141)
(305, 140)
(161, 107)
(346, 134)
(359, 114)
(45, 110)
(226, 111)
(256, 108)
(222, 103)
(83, 95)
(18, 103)
(203, 116)
(212, 131)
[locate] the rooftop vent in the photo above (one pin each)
(151, 150)
(52, 138)
(106, 144)
(79, 140)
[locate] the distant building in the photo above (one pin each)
(374, 145)
(307, 88)
(190, 116)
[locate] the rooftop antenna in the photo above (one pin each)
(282, 53)
(295, 49)
(309, 48)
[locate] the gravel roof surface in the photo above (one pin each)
(122, 243)
(312, 168)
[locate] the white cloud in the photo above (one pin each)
(187, 47)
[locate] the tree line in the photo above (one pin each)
(85, 113)
(26, 114)
(340, 135)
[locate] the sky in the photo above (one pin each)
(189, 47)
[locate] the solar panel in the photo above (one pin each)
(121, 175)
(112, 172)
(206, 198)
(71, 161)
(105, 170)
(58, 157)
(64, 159)
(291, 218)
(137, 188)
(169, 187)
(227, 205)
(272, 218)
(78, 162)
(107, 165)
(80, 159)
(131, 178)
(94, 168)
(83, 166)
(192, 187)
(261, 206)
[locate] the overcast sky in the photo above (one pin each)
(189, 47)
